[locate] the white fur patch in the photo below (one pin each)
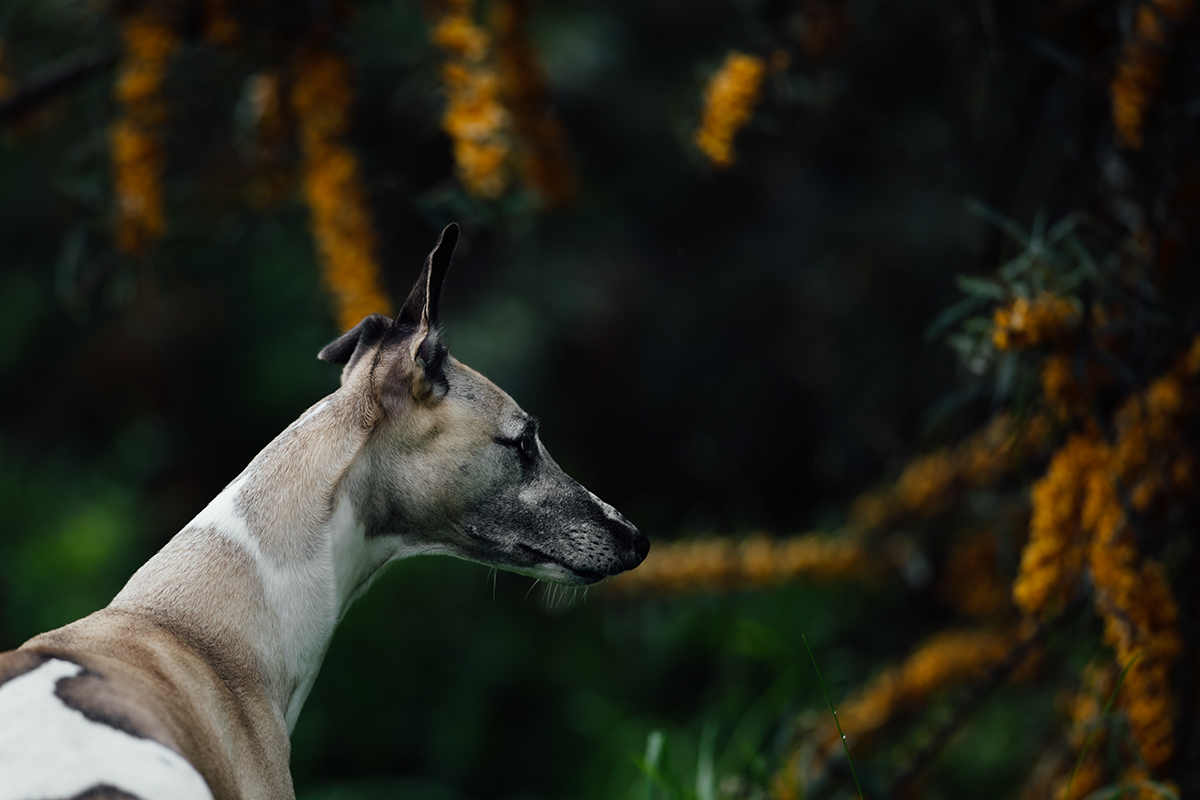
(303, 595)
(50, 750)
(309, 597)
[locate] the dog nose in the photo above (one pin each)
(641, 545)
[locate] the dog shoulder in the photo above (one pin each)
(75, 724)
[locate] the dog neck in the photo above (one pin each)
(259, 580)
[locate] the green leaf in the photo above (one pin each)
(1006, 375)
(979, 325)
(1038, 229)
(980, 287)
(950, 404)
(1002, 222)
(949, 317)
(1016, 267)
(1063, 228)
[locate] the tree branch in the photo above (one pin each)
(51, 82)
(974, 698)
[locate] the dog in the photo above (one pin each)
(187, 686)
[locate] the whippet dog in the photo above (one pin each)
(187, 685)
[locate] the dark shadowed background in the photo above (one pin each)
(712, 352)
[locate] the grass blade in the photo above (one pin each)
(829, 700)
(1123, 790)
(649, 763)
(1096, 729)
(706, 776)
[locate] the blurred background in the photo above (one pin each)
(197, 195)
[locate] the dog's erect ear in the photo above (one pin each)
(348, 348)
(421, 308)
(422, 375)
(410, 364)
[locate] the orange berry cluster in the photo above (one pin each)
(729, 101)
(542, 159)
(271, 179)
(972, 583)
(7, 84)
(1081, 521)
(1047, 319)
(477, 121)
(758, 560)
(946, 660)
(1139, 69)
(929, 483)
(321, 99)
(497, 115)
(137, 152)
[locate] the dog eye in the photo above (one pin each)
(527, 446)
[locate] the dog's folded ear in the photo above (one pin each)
(348, 348)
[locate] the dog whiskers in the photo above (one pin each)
(557, 597)
(532, 586)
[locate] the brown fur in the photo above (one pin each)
(218, 614)
(105, 793)
(144, 677)
(16, 663)
(283, 499)
(191, 681)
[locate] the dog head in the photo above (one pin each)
(452, 463)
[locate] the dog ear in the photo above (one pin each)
(421, 375)
(348, 348)
(421, 307)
